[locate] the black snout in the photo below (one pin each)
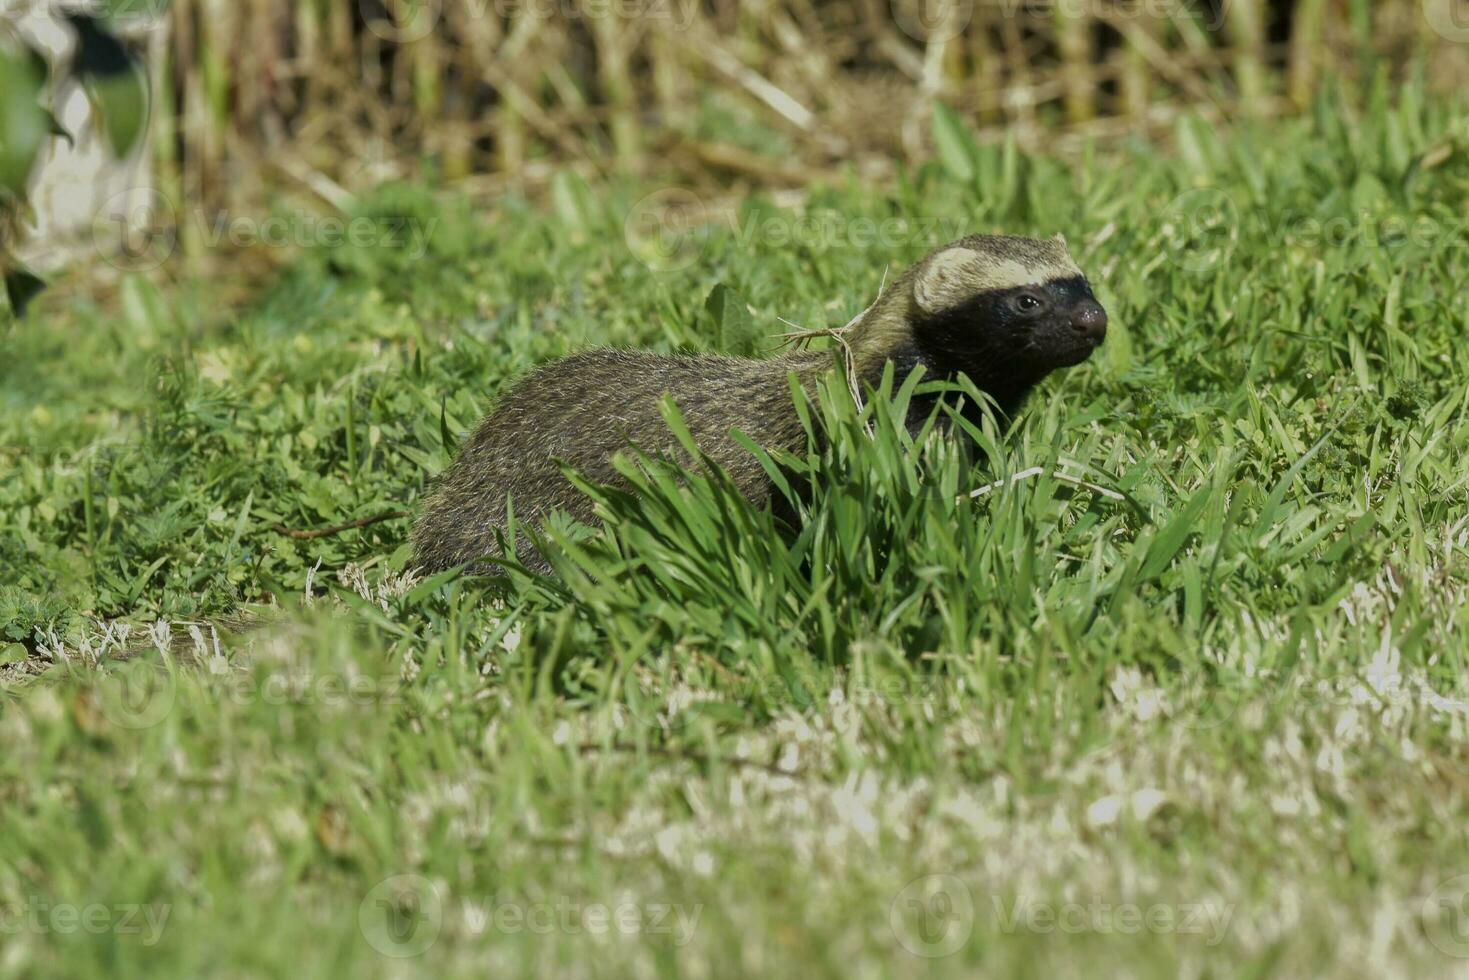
(1090, 320)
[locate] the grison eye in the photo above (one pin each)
(1027, 302)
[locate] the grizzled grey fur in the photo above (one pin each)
(1005, 311)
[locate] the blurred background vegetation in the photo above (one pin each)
(330, 97)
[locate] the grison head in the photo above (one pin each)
(995, 306)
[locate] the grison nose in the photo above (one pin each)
(1090, 320)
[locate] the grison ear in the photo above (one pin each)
(946, 279)
(1060, 239)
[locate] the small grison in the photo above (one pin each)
(1006, 311)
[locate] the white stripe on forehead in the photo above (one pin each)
(958, 273)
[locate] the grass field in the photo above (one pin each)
(1185, 695)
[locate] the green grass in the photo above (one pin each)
(1208, 719)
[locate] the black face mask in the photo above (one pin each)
(1007, 340)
